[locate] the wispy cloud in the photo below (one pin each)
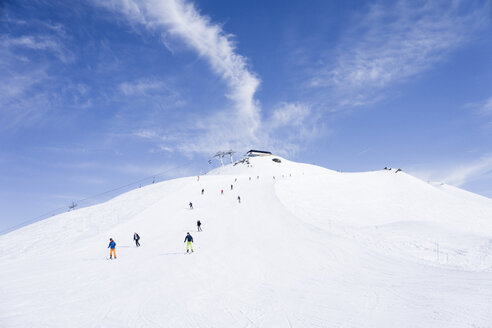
(28, 95)
(140, 87)
(17, 104)
(39, 42)
(146, 134)
(482, 109)
(19, 83)
(181, 20)
(46, 37)
(486, 107)
(240, 125)
(391, 43)
(289, 114)
(465, 173)
(459, 174)
(28, 85)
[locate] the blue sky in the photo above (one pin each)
(97, 94)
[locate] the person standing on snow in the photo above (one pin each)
(239, 199)
(232, 187)
(191, 205)
(199, 225)
(112, 245)
(203, 190)
(189, 242)
(136, 237)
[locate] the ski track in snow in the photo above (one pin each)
(314, 248)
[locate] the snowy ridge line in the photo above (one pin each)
(80, 203)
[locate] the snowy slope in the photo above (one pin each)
(309, 248)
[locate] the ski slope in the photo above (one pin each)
(311, 247)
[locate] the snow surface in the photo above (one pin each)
(311, 247)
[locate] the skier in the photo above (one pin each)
(112, 245)
(232, 187)
(221, 191)
(189, 242)
(239, 199)
(397, 170)
(199, 225)
(203, 190)
(136, 237)
(191, 205)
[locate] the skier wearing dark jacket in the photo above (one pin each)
(189, 242)
(136, 237)
(199, 225)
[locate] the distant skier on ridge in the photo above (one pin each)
(189, 242)
(136, 237)
(112, 245)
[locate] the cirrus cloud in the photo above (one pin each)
(392, 43)
(183, 21)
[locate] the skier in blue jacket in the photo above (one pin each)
(112, 245)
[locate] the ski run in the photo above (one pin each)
(283, 244)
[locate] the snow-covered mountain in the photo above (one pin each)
(306, 247)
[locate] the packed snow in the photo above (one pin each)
(305, 247)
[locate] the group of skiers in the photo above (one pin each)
(136, 238)
(112, 245)
(188, 238)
